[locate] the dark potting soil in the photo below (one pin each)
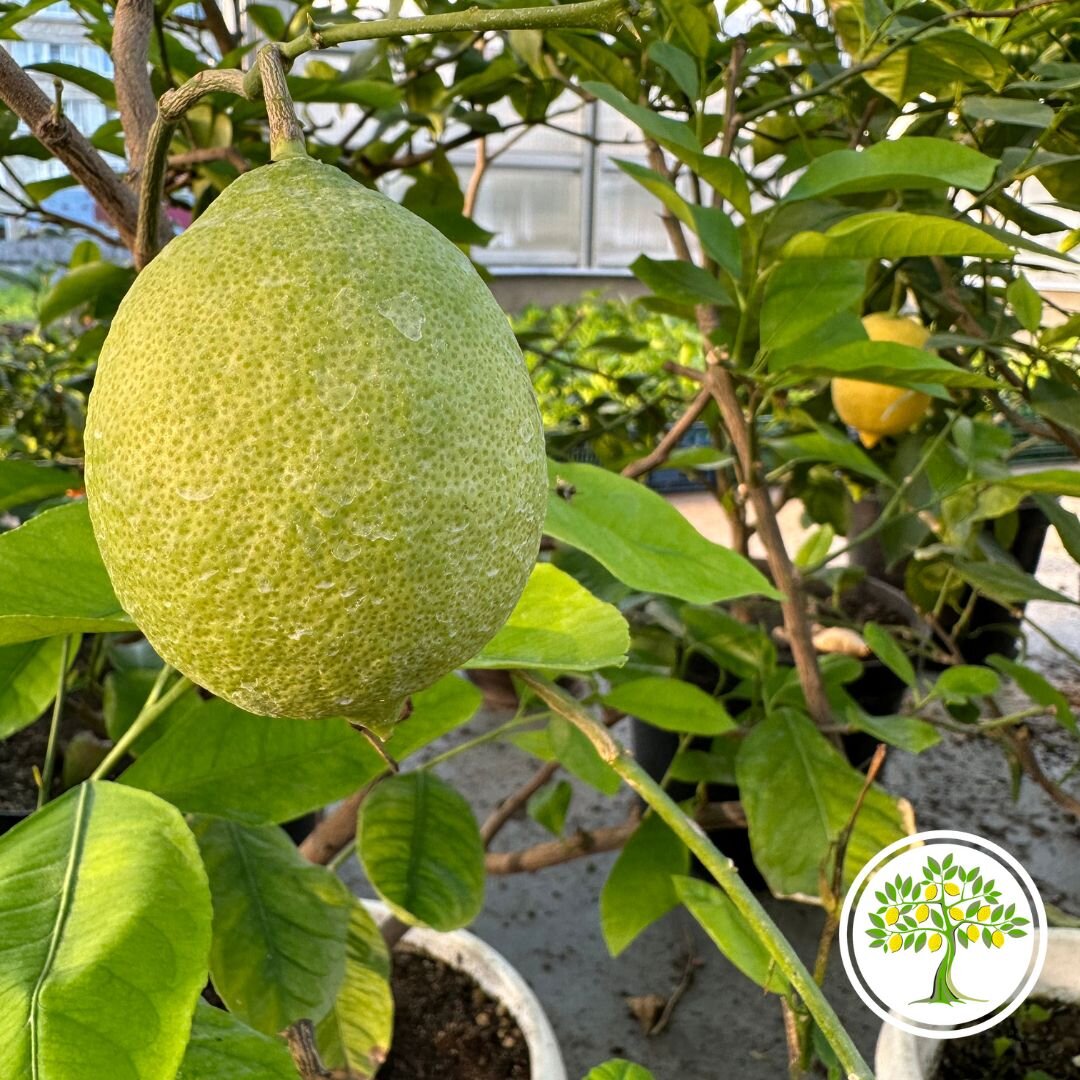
(447, 1028)
(1040, 1041)
(19, 753)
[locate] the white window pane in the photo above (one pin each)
(627, 221)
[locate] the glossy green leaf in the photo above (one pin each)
(579, 757)
(678, 281)
(638, 890)
(1065, 522)
(643, 540)
(675, 135)
(802, 294)
(680, 65)
(356, 1033)
(1006, 110)
(24, 482)
(85, 79)
(906, 732)
(1006, 583)
(29, 677)
(1026, 303)
(886, 234)
(421, 849)
(557, 624)
(1047, 482)
(84, 284)
(828, 445)
(223, 1048)
(1038, 688)
(671, 704)
(887, 649)
(596, 59)
(278, 952)
(53, 579)
(619, 1069)
(106, 926)
(549, 805)
(798, 793)
(966, 681)
(729, 932)
(215, 759)
(881, 361)
(439, 709)
(124, 694)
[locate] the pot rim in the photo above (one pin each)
(496, 976)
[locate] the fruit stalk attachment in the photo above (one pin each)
(286, 134)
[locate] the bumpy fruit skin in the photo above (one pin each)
(315, 463)
(873, 409)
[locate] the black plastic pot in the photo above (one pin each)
(10, 818)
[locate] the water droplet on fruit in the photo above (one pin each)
(196, 494)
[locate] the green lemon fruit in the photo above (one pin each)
(314, 463)
(873, 409)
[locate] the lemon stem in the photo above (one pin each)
(286, 134)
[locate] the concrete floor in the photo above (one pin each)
(547, 923)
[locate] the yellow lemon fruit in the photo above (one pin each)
(314, 460)
(892, 915)
(951, 888)
(956, 913)
(973, 933)
(873, 409)
(934, 942)
(998, 938)
(984, 914)
(922, 913)
(895, 942)
(930, 892)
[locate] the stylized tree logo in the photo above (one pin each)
(951, 906)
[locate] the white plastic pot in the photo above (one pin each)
(498, 978)
(901, 1056)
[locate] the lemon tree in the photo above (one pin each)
(949, 910)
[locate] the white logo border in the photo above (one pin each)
(1038, 910)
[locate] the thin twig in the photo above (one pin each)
(1019, 741)
(304, 1052)
(133, 23)
(45, 790)
(670, 440)
(565, 849)
(513, 803)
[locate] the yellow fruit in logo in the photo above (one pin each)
(873, 409)
(984, 914)
(930, 892)
(951, 888)
(934, 942)
(998, 938)
(973, 933)
(314, 460)
(895, 942)
(922, 913)
(892, 915)
(956, 913)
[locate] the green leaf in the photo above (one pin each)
(368, 93)
(29, 676)
(680, 65)
(278, 952)
(899, 164)
(439, 709)
(54, 581)
(1005, 110)
(356, 1033)
(422, 852)
(882, 362)
(674, 135)
(106, 919)
(887, 234)
(815, 548)
(82, 285)
(619, 1069)
(828, 445)
(638, 891)
(549, 805)
(888, 651)
(90, 81)
(798, 793)
(643, 540)
(215, 759)
(1064, 521)
(730, 932)
(1005, 583)
(678, 281)
(907, 732)
(671, 704)
(579, 757)
(966, 681)
(24, 482)
(597, 60)
(268, 19)
(1038, 688)
(1026, 303)
(803, 294)
(557, 624)
(125, 693)
(223, 1048)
